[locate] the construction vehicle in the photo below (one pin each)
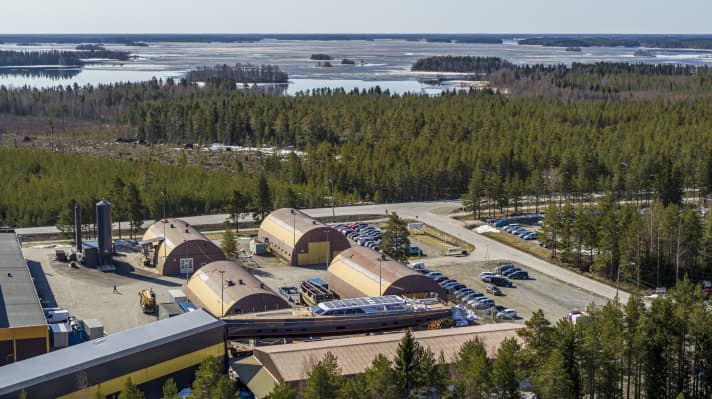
(147, 299)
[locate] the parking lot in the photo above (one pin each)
(554, 297)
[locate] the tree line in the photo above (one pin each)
(630, 41)
(615, 351)
(484, 65)
(56, 57)
(239, 73)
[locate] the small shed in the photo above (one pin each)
(175, 247)
(300, 239)
(242, 292)
(361, 271)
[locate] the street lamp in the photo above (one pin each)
(294, 235)
(380, 276)
(331, 185)
(222, 292)
(165, 250)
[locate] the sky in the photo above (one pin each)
(360, 16)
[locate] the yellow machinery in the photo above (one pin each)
(147, 298)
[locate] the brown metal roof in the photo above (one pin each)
(292, 362)
(241, 291)
(177, 231)
(357, 271)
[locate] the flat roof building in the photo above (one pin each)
(291, 363)
(23, 327)
(149, 354)
(299, 239)
(361, 271)
(170, 243)
(242, 292)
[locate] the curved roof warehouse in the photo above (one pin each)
(299, 239)
(168, 243)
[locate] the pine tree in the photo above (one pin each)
(238, 205)
(324, 380)
(228, 244)
(130, 391)
(206, 378)
(283, 391)
(406, 365)
(472, 371)
(395, 239)
(263, 198)
(380, 381)
(170, 390)
(504, 370)
(354, 388)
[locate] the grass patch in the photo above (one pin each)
(525, 246)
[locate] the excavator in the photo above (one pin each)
(147, 299)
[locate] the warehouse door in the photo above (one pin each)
(316, 253)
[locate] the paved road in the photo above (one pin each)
(431, 213)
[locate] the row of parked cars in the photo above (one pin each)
(469, 297)
(515, 229)
(362, 233)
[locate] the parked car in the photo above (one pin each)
(472, 295)
(503, 268)
(486, 276)
(476, 304)
(454, 287)
(511, 227)
(508, 314)
(463, 293)
(500, 223)
(440, 278)
(443, 281)
(519, 275)
(501, 281)
(530, 236)
(511, 271)
(448, 283)
(493, 289)
(433, 274)
(487, 301)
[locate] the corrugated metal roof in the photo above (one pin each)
(292, 362)
(358, 270)
(176, 232)
(205, 285)
(289, 227)
(257, 378)
(69, 360)
(19, 304)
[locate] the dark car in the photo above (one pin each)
(503, 268)
(501, 281)
(494, 290)
(440, 278)
(511, 271)
(519, 275)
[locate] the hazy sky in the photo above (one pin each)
(360, 16)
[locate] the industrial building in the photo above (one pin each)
(150, 354)
(361, 271)
(173, 247)
(299, 239)
(291, 363)
(241, 292)
(23, 327)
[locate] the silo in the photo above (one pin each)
(78, 226)
(103, 227)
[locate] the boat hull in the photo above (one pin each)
(336, 325)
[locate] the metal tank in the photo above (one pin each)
(103, 227)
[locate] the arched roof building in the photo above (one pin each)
(361, 271)
(170, 242)
(300, 239)
(242, 292)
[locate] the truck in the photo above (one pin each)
(147, 299)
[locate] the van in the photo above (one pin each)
(417, 266)
(455, 251)
(57, 315)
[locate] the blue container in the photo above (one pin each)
(187, 306)
(76, 336)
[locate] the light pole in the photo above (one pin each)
(222, 292)
(331, 185)
(328, 248)
(185, 244)
(165, 250)
(380, 276)
(294, 235)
